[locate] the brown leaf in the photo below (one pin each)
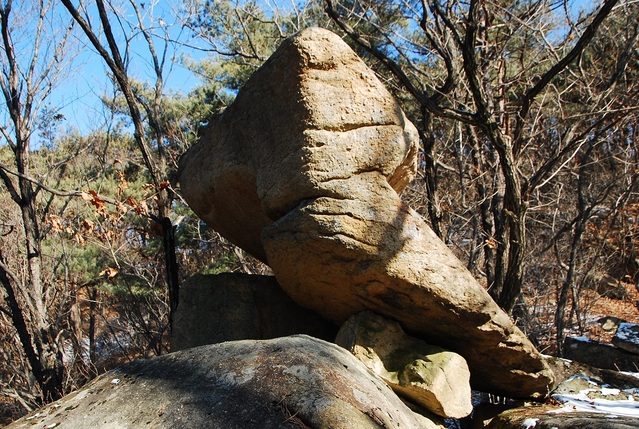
(131, 201)
(55, 223)
(78, 238)
(491, 242)
(95, 200)
(109, 273)
(144, 209)
(121, 208)
(88, 225)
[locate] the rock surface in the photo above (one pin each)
(564, 369)
(289, 382)
(590, 398)
(234, 306)
(610, 323)
(540, 418)
(370, 251)
(583, 393)
(434, 378)
(311, 117)
(627, 338)
(303, 171)
(600, 355)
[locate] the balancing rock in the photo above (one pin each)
(303, 171)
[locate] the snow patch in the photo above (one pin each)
(628, 332)
(529, 423)
(591, 400)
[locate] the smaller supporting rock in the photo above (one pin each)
(435, 378)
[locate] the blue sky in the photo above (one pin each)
(78, 96)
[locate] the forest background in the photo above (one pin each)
(527, 114)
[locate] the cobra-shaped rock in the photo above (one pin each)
(303, 171)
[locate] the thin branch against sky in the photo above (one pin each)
(78, 99)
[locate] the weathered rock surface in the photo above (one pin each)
(303, 171)
(289, 382)
(436, 379)
(627, 338)
(610, 323)
(234, 306)
(564, 369)
(540, 418)
(311, 117)
(370, 251)
(600, 355)
(583, 391)
(606, 400)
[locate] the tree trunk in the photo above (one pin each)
(430, 170)
(508, 286)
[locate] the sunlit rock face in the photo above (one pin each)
(303, 171)
(311, 118)
(429, 376)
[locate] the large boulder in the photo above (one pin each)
(288, 382)
(371, 251)
(303, 171)
(235, 306)
(434, 378)
(310, 118)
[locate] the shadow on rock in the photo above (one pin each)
(292, 382)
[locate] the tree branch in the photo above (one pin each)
(397, 71)
(75, 193)
(545, 79)
(116, 65)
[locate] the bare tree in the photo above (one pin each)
(152, 146)
(31, 67)
(502, 69)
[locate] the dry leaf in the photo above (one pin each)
(88, 224)
(491, 242)
(55, 222)
(109, 273)
(78, 238)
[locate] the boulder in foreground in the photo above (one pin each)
(287, 383)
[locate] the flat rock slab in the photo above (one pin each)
(236, 306)
(293, 382)
(565, 369)
(547, 417)
(627, 338)
(600, 355)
